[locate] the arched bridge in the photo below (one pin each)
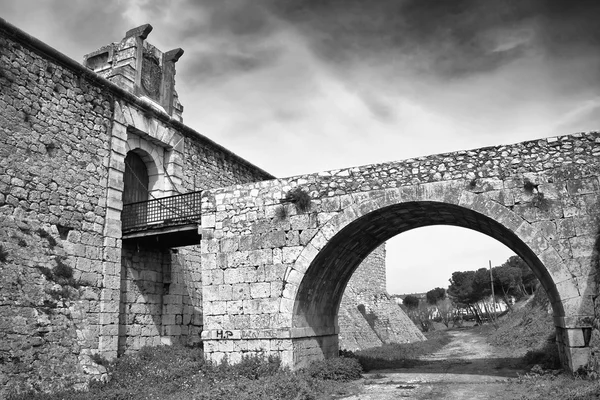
(273, 272)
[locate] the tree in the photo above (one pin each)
(435, 295)
(529, 281)
(411, 302)
(446, 310)
(507, 282)
(462, 291)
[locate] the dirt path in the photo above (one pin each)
(466, 368)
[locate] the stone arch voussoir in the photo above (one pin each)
(561, 283)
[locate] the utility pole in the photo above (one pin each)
(492, 285)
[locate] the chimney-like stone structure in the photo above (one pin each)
(140, 68)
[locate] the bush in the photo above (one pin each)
(180, 373)
(3, 254)
(299, 198)
(253, 367)
(335, 369)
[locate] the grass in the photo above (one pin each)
(177, 372)
(529, 332)
(400, 355)
(564, 387)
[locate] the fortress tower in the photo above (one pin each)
(140, 68)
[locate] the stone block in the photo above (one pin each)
(260, 290)
(290, 254)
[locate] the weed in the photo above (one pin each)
(45, 235)
(3, 254)
(47, 272)
(282, 212)
(335, 369)
(299, 198)
(177, 372)
(61, 274)
(529, 186)
(539, 201)
(50, 149)
(62, 270)
(21, 242)
(396, 355)
(473, 183)
(58, 294)
(100, 360)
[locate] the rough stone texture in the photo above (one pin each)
(271, 280)
(367, 316)
(540, 198)
(64, 134)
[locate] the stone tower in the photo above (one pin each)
(140, 68)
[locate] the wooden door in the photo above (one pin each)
(135, 179)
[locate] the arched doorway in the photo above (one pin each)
(135, 179)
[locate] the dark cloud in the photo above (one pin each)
(215, 64)
(227, 38)
(447, 38)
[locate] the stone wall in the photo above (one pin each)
(540, 198)
(368, 317)
(64, 134)
(54, 139)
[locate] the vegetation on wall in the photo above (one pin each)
(299, 198)
(3, 254)
(177, 372)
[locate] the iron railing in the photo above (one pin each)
(167, 211)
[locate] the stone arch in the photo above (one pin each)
(153, 163)
(318, 278)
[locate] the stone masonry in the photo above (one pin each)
(74, 289)
(273, 280)
(367, 316)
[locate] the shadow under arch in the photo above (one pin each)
(320, 291)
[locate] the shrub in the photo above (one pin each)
(335, 369)
(254, 366)
(3, 254)
(299, 198)
(281, 212)
(529, 186)
(62, 270)
(45, 235)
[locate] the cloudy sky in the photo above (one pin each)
(299, 86)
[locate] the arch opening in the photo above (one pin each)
(135, 179)
(320, 292)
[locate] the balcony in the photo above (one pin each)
(172, 221)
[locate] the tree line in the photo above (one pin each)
(469, 290)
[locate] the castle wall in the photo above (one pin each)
(54, 139)
(368, 317)
(72, 291)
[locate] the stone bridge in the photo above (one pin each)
(273, 272)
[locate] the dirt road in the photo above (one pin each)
(466, 368)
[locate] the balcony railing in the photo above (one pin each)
(167, 211)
